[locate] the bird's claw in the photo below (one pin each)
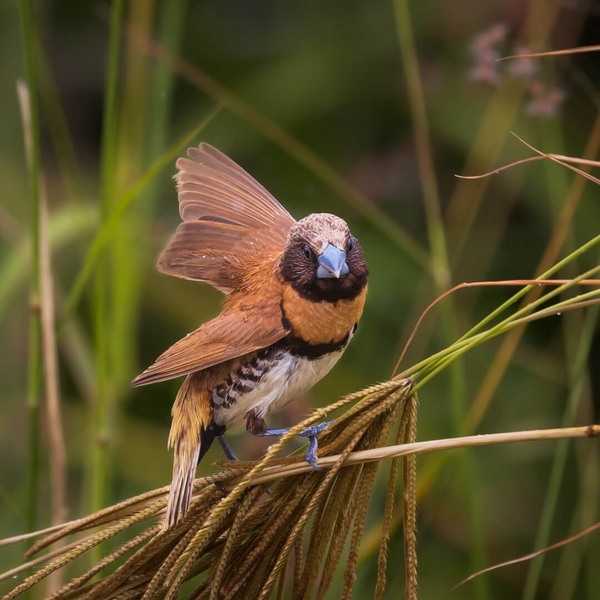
(310, 433)
(310, 456)
(314, 430)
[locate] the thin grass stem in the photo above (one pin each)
(29, 96)
(109, 226)
(559, 464)
(289, 144)
(99, 430)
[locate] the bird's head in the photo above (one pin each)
(322, 260)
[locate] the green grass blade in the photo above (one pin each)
(293, 147)
(67, 225)
(109, 226)
(562, 451)
(170, 33)
(98, 450)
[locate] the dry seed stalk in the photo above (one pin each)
(254, 532)
(410, 500)
(232, 538)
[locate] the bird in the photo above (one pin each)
(294, 294)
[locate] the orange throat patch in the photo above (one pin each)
(321, 322)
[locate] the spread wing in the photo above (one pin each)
(235, 332)
(227, 217)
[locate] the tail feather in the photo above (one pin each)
(182, 484)
(184, 469)
(180, 495)
(192, 433)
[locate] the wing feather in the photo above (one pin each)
(228, 218)
(232, 334)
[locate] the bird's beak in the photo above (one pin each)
(332, 263)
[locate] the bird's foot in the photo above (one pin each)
(314, 430)
(310, 432)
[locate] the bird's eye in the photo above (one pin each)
(307, 252)
(350, 245)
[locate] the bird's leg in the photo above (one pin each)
(230, 455)
(256, 426)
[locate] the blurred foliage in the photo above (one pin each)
(330, 75)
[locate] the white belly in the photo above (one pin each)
(288, 378)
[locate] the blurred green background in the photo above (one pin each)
(318, 101)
